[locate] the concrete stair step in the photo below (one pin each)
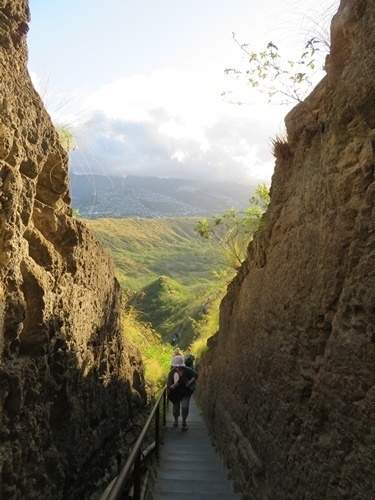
(200, 463)
(189, 464)
(193, 474)
(202, 496)
(193, 486)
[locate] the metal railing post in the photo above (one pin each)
(157, 430)
(165, 408)
(137, 477)
(134, 460)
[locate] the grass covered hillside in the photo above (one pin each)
(144, 249)
(166, 271)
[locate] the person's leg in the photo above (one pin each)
(176, 412)
(185, 410)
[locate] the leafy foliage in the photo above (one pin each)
(282, 78)
(271, 74)
(66, 137)
(233, 230)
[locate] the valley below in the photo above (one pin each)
(98, 196)
(167, 273)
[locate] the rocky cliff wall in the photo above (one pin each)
(288, 382)
(68, 378)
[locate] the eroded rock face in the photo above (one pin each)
(288, 383)
(68, 378)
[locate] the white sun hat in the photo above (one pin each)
(177, 361)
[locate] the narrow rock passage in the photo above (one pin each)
(189, 464)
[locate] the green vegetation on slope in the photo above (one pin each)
(156, 355)
(170, 306)
(166, 272)
(144, 249)
(207, 325)
(162, 300)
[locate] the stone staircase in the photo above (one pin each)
(189, 464)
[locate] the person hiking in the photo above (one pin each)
(181, 383)
(175, 337)
(176, 352)
(189, 358)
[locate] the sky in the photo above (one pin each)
(139, 83)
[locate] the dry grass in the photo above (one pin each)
(280, 147)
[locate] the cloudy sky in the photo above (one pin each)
(140, 83)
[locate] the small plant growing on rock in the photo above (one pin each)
(234, 229)
(269, 73)
(286, 80)
(66, 138)
(280, 147)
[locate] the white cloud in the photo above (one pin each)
(169, 121)
(180, 156)
(174, 123)
(187, 98)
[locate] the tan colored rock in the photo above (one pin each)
(69, 380)
(288, 382)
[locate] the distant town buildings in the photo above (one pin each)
(136, 202)
(145, 197)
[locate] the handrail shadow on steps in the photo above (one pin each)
(133, 462)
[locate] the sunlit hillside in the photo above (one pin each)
(144, 249)
(166, 272)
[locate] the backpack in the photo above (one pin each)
(189, 360)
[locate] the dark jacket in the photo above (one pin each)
(181, 390)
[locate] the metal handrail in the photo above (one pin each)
(133, 462)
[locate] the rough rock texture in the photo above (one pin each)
(68, 378)
(288, 382)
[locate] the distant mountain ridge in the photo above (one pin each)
(97, 196)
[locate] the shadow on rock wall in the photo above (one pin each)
(69, 380)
